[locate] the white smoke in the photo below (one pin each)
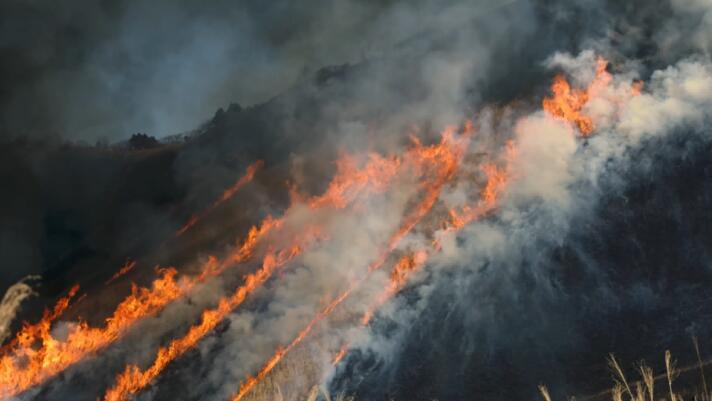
(555, 177)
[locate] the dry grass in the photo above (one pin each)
(312, 395)
(644, 389)
(295, 376)
(293, 379)
(11, 302)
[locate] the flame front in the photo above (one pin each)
(23, 366)
(227, 194)
(122, 271)
(445, 159)
(348, 185)
(567, 103)
(35, 355)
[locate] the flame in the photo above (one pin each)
(445, 158)
(346, 187)
(28, 365)
(35, 355)
(636, 88)
(399, 276)
(350, 180)
(133, 379)
(30, 333)
(227, 194)
(497, 179)
(251, 381)
(53, 356)
(127, 267)
(567, 103)
(340, 355)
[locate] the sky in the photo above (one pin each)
(103, 70)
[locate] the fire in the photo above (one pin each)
(28, 365)
(497, 179)
(133, 379)
(636, 88)
(130, 264)
(250, 382)
(445, 159)
(30, 333)
(351, 180)
(35, 355)
(340, 355)
(346, 187)
(399, 276)
(53, 356)
(227, 194)
(568, 102)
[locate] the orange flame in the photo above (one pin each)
(567, 103)
(130, 264)
(399, 276)
(445, 157)
(347, 185)
(133, 379)
(251, 381)
(350, 180)
(636, 88)
(227, 194)
(30, 333)
(340, 355)
(497, 179)
(27, 367)
(36, 355)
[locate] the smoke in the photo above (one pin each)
(105, 71)
(507, 280)
(514, 299)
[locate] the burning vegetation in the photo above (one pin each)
(37, 354)
(399, 227)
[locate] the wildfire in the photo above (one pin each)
(26, 366)
(35, 355)
(497, 180)
(340, 355)
(347, 185)
(399, 276)
(227, 194)
(350, 180)
(130, 264)
(133, 379)
(29, 333)
(445, 159)
(568, 102)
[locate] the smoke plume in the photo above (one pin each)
(410, 200)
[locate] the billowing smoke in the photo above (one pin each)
(469, 199)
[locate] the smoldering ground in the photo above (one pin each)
(540, 294)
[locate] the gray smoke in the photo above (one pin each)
(507, 302)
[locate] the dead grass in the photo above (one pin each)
(644, 388)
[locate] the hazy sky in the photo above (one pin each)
(107, 69)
